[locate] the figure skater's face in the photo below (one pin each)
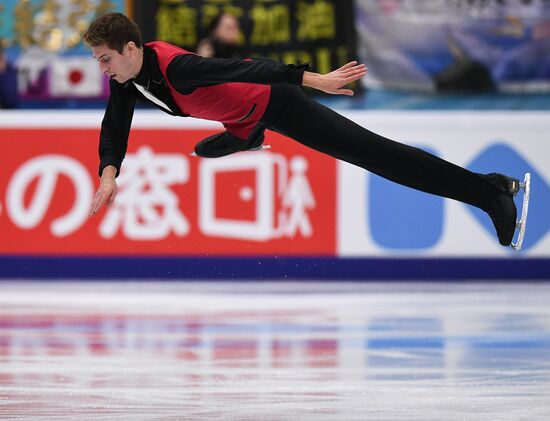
(120, 67)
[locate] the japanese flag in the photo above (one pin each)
(75, 76)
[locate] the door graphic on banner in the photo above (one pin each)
(255, 196)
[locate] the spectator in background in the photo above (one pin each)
(464, 74)
(223, 38)
(8, 81)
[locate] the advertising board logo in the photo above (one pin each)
(417, 219)
(419, 227)
(252, 203)
(506, 160)
(255, 196)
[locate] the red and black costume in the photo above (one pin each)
(243, 94)
(191, 85)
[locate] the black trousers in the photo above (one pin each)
(293, 114)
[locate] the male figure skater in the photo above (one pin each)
(248, 96)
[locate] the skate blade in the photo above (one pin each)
(522, 223)
(259, 148)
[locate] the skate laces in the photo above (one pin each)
(507, 185)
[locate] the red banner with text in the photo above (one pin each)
(278, 201)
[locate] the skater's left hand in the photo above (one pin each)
(332, 82)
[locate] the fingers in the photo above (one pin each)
(111, 199)
(105, 194)
(332, 82)
(342, 81)
(357, 70)
(349, 78)
(347, 92)
(350, 65)
(101, 198)
(353, 78)
(348, 69)
(93, 206)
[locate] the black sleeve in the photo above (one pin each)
(189, 71)
(115, 127)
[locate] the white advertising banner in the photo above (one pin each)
(377, 218)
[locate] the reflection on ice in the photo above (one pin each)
(340, 352)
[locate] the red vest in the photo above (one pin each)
(227, 103)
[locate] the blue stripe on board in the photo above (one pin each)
(250, 268)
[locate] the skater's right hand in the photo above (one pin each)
(106, 192)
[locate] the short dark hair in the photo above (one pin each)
(114, 30)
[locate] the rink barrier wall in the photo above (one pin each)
(287, 213)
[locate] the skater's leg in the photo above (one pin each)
(322, 129)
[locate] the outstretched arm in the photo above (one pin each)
(333, 82)
(189, 71)
(113, 142)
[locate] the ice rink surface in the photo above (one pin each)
(274, 351)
